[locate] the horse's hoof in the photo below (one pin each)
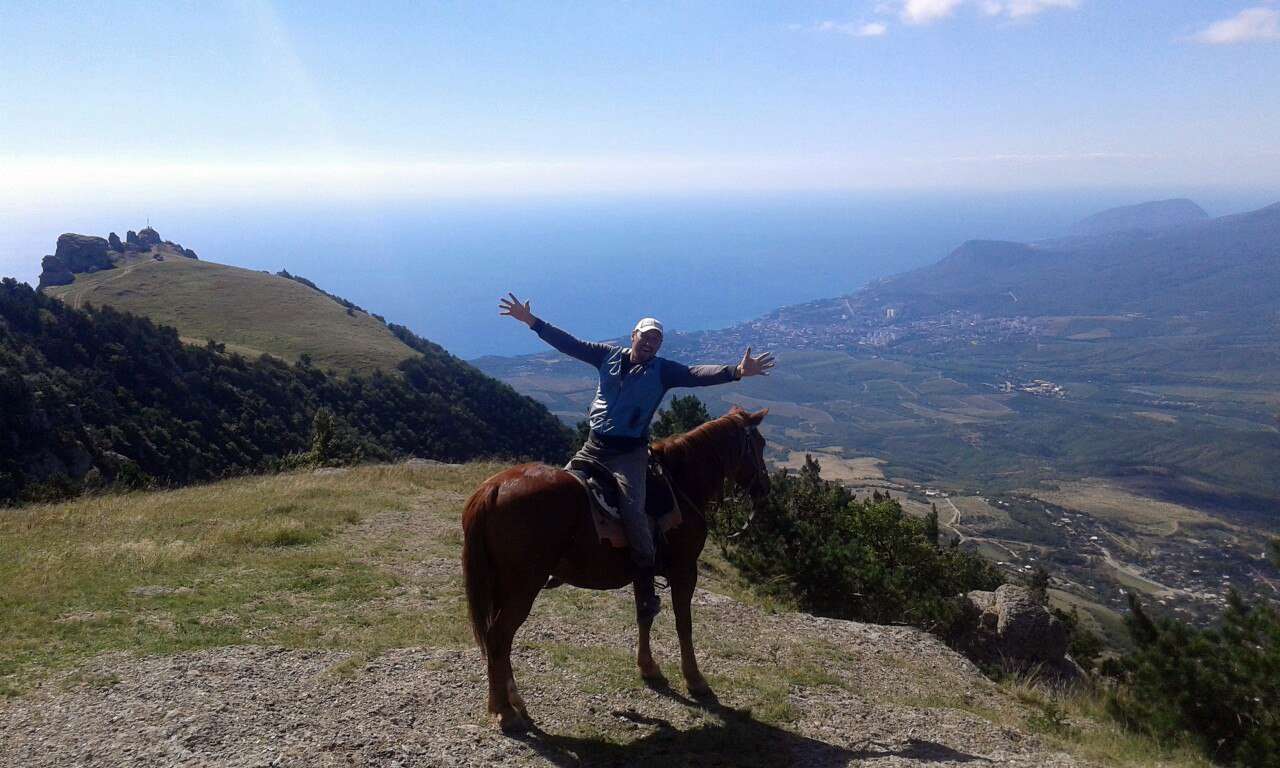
(521, 709)
(512, 722)
(652, 673)
(699, 689)
(654, 677)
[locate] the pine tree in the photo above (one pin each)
(1039, 584)
(931, 531)
(1221, 686)
(684, 414)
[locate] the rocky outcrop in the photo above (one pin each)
(78, 254)
(1009, 628)
(148, 237)
(132, 244)
(83, 253)
(54, 272)
(75, 254)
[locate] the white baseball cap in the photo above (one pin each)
(647, 324)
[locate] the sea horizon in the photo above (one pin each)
(592, 266)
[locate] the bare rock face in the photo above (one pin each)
(1010, 628)
(148, 237)
(54, 272)
(113, 242)
(75, 254)
(83, 253)
(132, 244)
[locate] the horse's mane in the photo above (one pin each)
(702, 442)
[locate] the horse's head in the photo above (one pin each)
(751, 474)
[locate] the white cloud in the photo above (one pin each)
(869, 29)
(929, 11)
(1017, 9)
(1250, 25)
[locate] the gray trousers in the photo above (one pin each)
(630, 467)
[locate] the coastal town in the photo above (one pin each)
(861, 323)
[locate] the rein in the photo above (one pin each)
(744, 455)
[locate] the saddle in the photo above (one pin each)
(605, 496)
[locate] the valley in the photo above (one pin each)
(1121, 445)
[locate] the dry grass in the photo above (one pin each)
(1108, 501)
(367, 560)
(252, 312)
(836, 468)
(261, 559)
(1075, 720)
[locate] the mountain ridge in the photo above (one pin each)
(253, 312)
(148, 366)
(1149, 216)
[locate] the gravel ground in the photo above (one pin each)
(825, 692)
(261, 706)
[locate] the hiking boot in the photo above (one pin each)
(647, 603)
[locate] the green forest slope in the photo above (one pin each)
(99, 396)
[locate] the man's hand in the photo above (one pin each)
(754, 366)
(510, 306)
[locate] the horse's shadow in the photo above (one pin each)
(738, 739)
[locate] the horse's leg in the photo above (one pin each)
(649, 669)
(683, 581)
(504, 702)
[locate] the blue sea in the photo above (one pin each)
(592, 266)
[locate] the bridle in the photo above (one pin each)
(761, 473)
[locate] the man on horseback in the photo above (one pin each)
(633, 381)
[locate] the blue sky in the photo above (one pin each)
(245, 99)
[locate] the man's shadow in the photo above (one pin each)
(737, 740)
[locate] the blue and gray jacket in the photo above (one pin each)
(629, 395)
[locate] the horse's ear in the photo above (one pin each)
(758, 416)
(735, 408)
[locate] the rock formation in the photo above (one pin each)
(83, 253)
(1011, 629)
(148, 237)
(54, 272)
(77, 254)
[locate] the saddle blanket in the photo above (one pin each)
(602, 496)
(611, 532)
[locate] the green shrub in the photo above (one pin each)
(685, 413)
(1221, 685)
(812, 541)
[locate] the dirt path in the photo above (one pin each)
(954, 525)
(795, 690)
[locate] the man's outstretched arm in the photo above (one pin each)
(677, 375)
(589, 352)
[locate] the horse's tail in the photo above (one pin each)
(477, 571)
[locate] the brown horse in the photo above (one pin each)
(533, 521)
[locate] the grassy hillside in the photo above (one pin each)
(252, 312)
(320, 616)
